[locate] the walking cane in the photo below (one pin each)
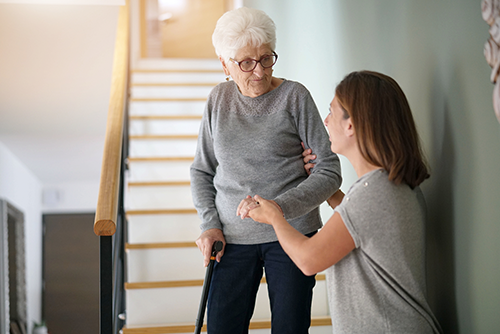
(216, 247)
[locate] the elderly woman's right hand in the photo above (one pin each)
(206, 241)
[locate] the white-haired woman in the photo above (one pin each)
(250, 142)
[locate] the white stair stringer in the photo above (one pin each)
(167, 101)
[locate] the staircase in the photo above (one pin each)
(164, 267)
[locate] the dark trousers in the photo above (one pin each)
(234, 286)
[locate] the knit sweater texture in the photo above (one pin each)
(248, 146)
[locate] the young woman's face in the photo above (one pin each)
(337, 127)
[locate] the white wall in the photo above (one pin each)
(22, 189)
(56, 66)
(70, 197)
(434, 49)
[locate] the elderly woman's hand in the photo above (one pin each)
(206, 241)
(308, 158)
(249, 203)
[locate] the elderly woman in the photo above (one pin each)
(373, 247)
(250, 142)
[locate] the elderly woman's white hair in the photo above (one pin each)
(241, 27)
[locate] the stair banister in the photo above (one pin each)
(107, 207)
(110, 217)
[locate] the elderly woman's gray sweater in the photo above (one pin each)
(250, 146)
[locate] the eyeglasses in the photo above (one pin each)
(248, 65)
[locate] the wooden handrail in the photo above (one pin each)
(107, 203)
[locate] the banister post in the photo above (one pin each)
(106, 283)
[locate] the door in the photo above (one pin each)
(71, 274)
(186, 27)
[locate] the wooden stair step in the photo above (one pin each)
(189, 328)
(165, 117)
(177, 284)
(158, 183)
(176, 71)
(152, 159)
(174, 84)
(161, 211)
(167, 99)
(164, 137)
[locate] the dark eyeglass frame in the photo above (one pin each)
(256, 62)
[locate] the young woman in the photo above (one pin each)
(373, 247)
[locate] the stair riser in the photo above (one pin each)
(178, 64)
(165, 264)
(161, 127)
(159, 197)
(163, 228)
(177, 78)
(159, 171)
(181, 304)
(163, 147)
(170, 91)
(140, 108)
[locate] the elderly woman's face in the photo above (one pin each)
(256, 82)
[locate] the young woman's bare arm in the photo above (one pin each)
(311, 255)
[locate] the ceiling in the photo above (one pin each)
(55, 78)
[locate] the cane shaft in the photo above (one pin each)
(217, 246)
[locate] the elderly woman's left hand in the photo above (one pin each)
(250, 203)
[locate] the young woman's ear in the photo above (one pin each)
(349, 127)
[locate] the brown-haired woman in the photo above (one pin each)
(373, 247)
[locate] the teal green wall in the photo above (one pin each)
(434, 49)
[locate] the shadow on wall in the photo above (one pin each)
(440, 191)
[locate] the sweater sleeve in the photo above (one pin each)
(202, 173)
(325, 178)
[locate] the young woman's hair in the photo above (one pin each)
(384, 126)
(241, 27)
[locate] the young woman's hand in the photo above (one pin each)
(249, 203)
(264, 211)
(308, 157)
